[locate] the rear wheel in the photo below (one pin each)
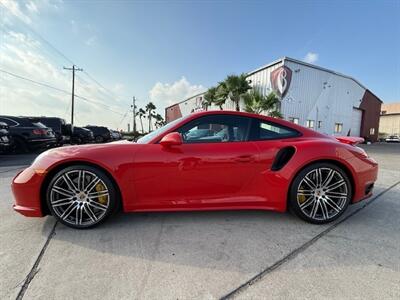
(81, 196)
(320, 193)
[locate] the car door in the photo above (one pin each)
(213, 167)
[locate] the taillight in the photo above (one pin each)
(39, 131)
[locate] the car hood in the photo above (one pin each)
(95, 153)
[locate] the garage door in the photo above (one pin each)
(356, 122)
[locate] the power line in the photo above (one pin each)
(58, 51)
(61, 90)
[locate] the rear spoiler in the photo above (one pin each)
(350, 140)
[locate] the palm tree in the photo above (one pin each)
(141, 114)
(210, 97)
(221, 94)
(237, 86)
(159, 120)
(150, 107)
(255, 102)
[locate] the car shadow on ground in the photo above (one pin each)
(240, 241)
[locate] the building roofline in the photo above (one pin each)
(390, 114)
(185, 100)
(282, 59)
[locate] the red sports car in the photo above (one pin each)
(216, 160)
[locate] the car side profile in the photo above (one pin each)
(101, 134)
(81, 136)
(28, 133)
(214, 160)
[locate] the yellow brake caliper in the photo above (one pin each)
(301, 198)
(101, 199)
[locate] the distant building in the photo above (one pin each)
(312, 96)
(390, 119)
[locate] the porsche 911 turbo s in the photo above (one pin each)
(244, 161)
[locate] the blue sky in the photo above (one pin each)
(165, 50)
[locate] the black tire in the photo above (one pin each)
(321, 199)
(20, 146)
(78, 202)
(99, 139)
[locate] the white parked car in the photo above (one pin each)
(393, 139)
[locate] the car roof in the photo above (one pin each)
(302, 129)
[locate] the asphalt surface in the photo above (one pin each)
(207, 255)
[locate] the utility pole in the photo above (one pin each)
(134, 114)
(73, 69)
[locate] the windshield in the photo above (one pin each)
(148, 137)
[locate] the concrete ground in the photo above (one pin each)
(207, 255)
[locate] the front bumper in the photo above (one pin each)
(26, 189)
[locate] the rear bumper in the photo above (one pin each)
(26, 189)
(41, 143)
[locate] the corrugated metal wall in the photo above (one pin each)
(314, 94)
(319, 95)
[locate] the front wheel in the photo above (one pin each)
(81, 196)
(320, 193)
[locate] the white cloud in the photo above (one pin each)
(165, 94)
(91, 41)
(31, 6)
(311, 57)
(22, 55)
(13, 9)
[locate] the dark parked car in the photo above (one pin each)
(81, 136)
(59, 127)
(101, 134)
(28, 133)
(116, 135)
(5, 138)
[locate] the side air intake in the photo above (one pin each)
(282, 158)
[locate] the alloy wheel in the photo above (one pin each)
(80, 198)
(322, 194)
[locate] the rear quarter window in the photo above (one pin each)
(264, 130)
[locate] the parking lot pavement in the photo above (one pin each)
(208, 255)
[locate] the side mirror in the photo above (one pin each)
(171, 139)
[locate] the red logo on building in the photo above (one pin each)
(280, 80)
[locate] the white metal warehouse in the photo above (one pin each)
(311, 96)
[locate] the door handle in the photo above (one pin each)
(244, 158)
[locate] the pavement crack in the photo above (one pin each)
(301, 248)
(34, 270)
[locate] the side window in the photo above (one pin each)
(9, 122)
(268, 131)
(216, 129)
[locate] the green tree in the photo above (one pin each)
(236, 86)
(210, 97)
(221, 94)
(150, 107)
(255, 102)
(159, 120)
(141, 114)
